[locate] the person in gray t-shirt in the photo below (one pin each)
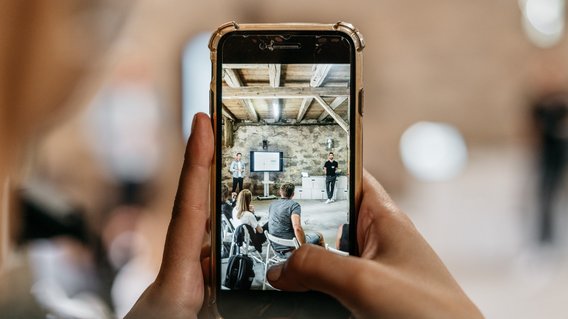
(284, 220)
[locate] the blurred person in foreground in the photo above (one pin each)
(50, 59)
(397, 276)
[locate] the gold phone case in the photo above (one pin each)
(232, 26)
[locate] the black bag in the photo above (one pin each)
(240, 272)
(225, 249)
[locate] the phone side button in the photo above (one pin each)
(361, 101)
(210, 102)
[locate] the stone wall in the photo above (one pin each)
(304, 147)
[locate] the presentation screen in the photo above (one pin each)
(266, 161)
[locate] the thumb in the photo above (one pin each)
(311, 267)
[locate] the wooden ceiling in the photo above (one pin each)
(286, 93)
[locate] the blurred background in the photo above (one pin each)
(465, 125)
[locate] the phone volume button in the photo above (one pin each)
(211, 102)
(361, 101)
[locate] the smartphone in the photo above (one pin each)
(287, 107)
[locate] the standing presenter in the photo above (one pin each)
(329, 169)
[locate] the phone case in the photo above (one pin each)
(232, 26)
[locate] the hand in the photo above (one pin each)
(251, 207)
(397, 276)
(178, 291)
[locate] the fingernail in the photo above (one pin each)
(274, 272)
(193, 123)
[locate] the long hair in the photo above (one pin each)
(243, 202)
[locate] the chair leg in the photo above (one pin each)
(268, 248)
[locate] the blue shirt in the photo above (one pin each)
(235, 165)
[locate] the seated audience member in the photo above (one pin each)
(227, 203)
(243, 213)
(284, 219)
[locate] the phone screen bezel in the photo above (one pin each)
(230, 50)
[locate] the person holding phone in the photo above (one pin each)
(398, 274)
(383, 273)
(238, 170)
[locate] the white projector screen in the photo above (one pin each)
(266, 161)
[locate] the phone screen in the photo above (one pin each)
(284, 151)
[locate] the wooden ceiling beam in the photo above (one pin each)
(244, 66)
(320, 73)
(266, 92)
(274, 74)
(228, 114)
(334, 104)
(332, 113)
(304, 108)
(233, 80)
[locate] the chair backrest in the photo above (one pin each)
(242, 232)
(227, 224)
(276, 256)
(293, 243)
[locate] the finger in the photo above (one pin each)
(376, 210)
(191, 208)
(372, 188)
(313, 268)
(205, 263)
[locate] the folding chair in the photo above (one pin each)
(243, 244)
(227, 229)
(277, 257)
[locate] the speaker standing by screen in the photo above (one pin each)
(238, 170)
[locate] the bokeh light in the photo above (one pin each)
(433, 151)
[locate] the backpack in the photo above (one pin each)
(225, 250)
(240, 272)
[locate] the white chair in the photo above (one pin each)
(227, 229)
(245, 246)
(336, 251)
(276, 256)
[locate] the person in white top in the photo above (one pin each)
(243, 213)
